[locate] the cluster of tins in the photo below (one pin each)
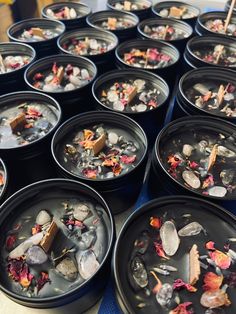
(96, 134)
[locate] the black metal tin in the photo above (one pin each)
(179, 25)
(201, 29)
(91, 290)
(43, 48)
(184, 106)
(120, 192)
(161, 182)
(71, 102)
(202, 42)
(104, 61)
(168, 4)
(151, 121)
(13, 81)
(122, 34)
(165, 72)
(142, 14)
(70, 24)
(211, 216)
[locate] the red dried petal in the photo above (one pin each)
(180, 284)
(79, 223)
(173, 161)
(193, 165)
(152, 103)
(182, 309)
(128, 159)
(90, 173)
(10, 242)
(2, 179)
(25, 277)
(15, 66)
(212, 281)
(19, 272)
(54, 68)
(38, 77)
(155, 222)
(42, 281)
(159, 250)
(116, 169)
(210, 245)
(208, 182)
(32, 113)
(221, 259)
(36, 229)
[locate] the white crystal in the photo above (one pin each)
(43, 217)
(191, 179)
(217, 191)
(75, 80)
(24, 246)
(118, 106)
(187, 150)
(87, 263)
(141, 108)
(169, 238)
(85, 74)
(73, 13)
(113, 138)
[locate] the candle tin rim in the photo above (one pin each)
(148, 2)
(87, 31)
(17, 196)
(213, 122)
(163, 21)
(144, 208)
(204, 17)
(49, 61)
(112, 75)
(19, 44)
(167, 4)
(226, 41)
(31, 94)
(113, 13)
(204, 71)
(61, 4)
(33, 21)
(95, 117)
(155, 44)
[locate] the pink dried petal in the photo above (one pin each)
(159, 250)
(182, 309)
(180, 284)
(128, 159)
(42, 281)
(10, 242)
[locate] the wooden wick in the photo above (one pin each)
(229, 15)
(2, 64)
(219, 54)
(165, 32)
(147, 54)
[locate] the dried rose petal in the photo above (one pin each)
(19, 271)
(33, 113)
(116, 169)
(155, 222)
(179, 284)
(210, 245)
(221, 259)
(36, 229)
(15, 66)
(128, 159)
(25, 277)
(42, 281)
(90, 173)
(159, 250)
(152, 103)
(10, 242)
(193, 165)
(38, 77)
(182, 309)
(212, 281)
(208, 182)
(54, 68)
(173, 161)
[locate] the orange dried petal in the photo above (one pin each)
(212, 281)
(221, 259)
(155, 222)
(210, 245)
